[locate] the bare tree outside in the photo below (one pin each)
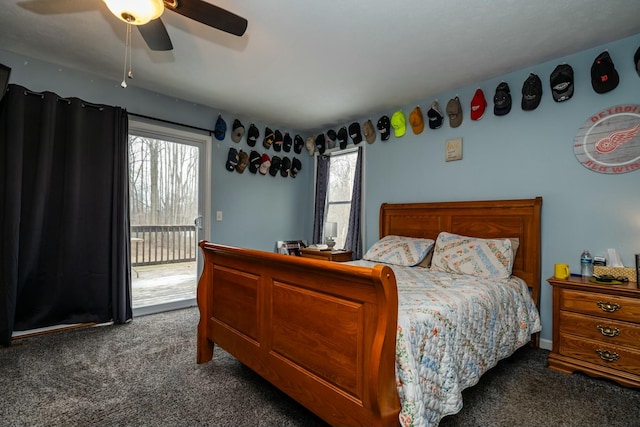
(163, 178)
(163, 189)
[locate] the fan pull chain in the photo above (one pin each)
(130, 74)
(127, 53)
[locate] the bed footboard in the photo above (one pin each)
(322, 332)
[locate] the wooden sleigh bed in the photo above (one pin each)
(325, 332)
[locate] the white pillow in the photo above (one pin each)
(487, 258)
(399, 250)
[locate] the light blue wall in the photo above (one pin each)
(522, 155)
(257, 210)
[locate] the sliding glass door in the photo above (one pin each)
(167, 191)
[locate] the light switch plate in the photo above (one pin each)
(453, 149)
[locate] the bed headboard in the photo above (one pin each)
(485, 219)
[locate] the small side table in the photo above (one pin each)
(335, 256)
(596, 329)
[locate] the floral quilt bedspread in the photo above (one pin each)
(452, 328)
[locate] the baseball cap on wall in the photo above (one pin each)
(369, 132)
(220, 129)
(354, 132)
(232, 159)
(454, 111)
(254, 161)
(604, 76)
(435, 115)
(310, 144)
(296, 165)
(278, 140)
(287, 142)
(384, 126)
(298, 144)
(531, 92)
(276, 164)
(321, 144)
(243, 161)
(478, 105)
(252, 135)
(561, 80)
(265, 164)
(237, 131)
(502, 100)
(330, 138)
(399, 124)
(285, 167)
(417, 120)
(268, 138)
(343, 137)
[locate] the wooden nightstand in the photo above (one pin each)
(337, 256)
(596, 329)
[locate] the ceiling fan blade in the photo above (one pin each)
(54, 7)
(155, 35)
(211, 15)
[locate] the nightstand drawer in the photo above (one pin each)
(599, 328)
(609, 306)
(609, 355)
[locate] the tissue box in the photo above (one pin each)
(628, 272)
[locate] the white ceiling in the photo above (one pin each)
(313, 65)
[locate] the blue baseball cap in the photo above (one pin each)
(220, 129)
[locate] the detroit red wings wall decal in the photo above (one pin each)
(609, 141)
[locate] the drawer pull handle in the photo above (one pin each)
(608, 331)
(607, 356)
(608, 307)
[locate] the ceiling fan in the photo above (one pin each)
(145, 14)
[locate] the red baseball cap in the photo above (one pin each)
(265, 163)
(478, 105)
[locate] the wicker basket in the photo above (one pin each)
(628, 272)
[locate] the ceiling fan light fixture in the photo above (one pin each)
(136, 12)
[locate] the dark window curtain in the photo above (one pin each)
(322, 182)
(353, 241)
(64, 212)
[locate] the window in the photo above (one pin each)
(339, 191)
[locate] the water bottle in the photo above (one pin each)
(586, 264)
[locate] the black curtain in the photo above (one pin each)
(64, 212)
(322, 183)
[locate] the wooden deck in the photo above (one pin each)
(163, 283)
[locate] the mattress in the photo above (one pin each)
(452, 328)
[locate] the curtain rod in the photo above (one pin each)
(172, 123)
(61, 99)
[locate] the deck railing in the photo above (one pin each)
(162, 244)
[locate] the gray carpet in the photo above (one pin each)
(144, 374)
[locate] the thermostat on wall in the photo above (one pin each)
(453, 149)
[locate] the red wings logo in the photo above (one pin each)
(616, 138)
